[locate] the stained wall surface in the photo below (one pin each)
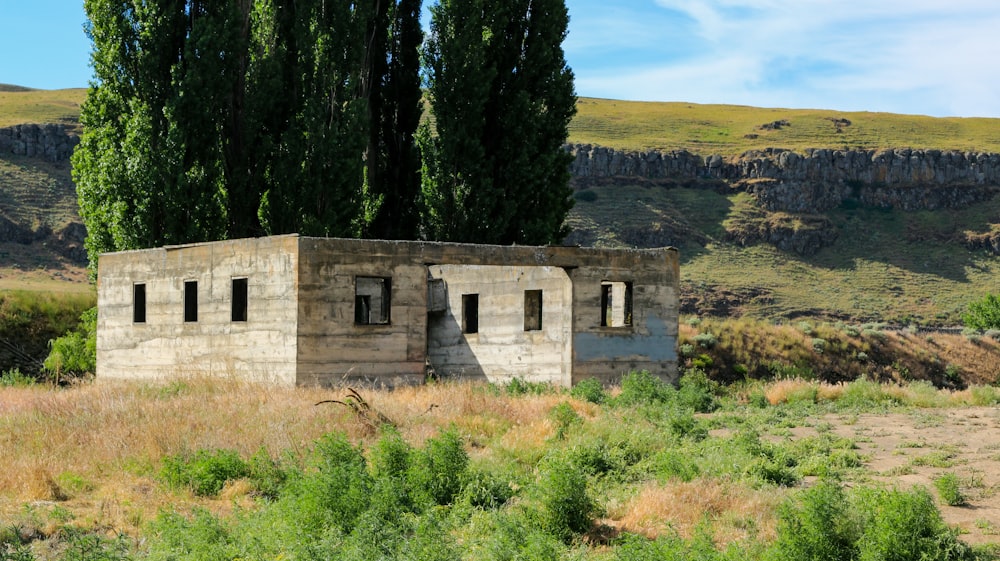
(261, 348)
(504, 344)
(330, 311)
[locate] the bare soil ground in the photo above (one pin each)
(908, 449)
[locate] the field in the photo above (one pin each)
(701, 471)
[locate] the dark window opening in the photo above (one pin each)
(139, 303)
(532, 310)
(190, 301)
(372, 299)
(616, 304)
(470, 313)
(240, 299)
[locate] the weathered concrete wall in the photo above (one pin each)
(502, 349)
(303, 327)
(262, 348)
(332, 349)
(650, 342)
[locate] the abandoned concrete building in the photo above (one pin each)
(317, 311)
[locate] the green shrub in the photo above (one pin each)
(705, 340)
(585, 196)
(674, 463)
(948, 488)
(205, 472)
(819, 345)
(817, 525)
(519, 386)
(13, 378)
(983, 314)
(644, 388)
(439, 470)
(74, 354)
(865, 394)
(903, 525)
(567, 509)
(564, 417)
(591, 390)
(485, 490)
(697, 391)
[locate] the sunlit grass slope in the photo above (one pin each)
(20, 105)
(733, 129)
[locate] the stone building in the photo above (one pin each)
(317, 311)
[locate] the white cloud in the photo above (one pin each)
(882, 55)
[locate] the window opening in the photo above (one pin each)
(139, 303)
(532, 310)
(190, 301)
(240, 299)
(616, 304)
(470, 313)
(372, 299)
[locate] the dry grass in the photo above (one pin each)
(41, 106)
(737, 512)
(96, 448)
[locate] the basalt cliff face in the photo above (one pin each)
(816, 181)
(48, 142)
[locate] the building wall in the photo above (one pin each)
(650, 342)
(332, 347)
(502, 348)
(303, 325)
(261, 348)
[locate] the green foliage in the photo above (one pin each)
(705, 340)
(819, 526)
(643, 388)
(567, 509)
(14, 378)
(519, 386)
(74, 354)
(591, 390)
(949, 489)
(439, 470)
(904, 525)
(697, 392)
(983, 314)
(502, 98)
(205, 472)
(564, 417)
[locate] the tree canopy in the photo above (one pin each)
(210, 120)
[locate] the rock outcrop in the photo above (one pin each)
(819, 179)
(48, 142)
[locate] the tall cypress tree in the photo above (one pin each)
(502, 97)
(147, 169)
(392, 88)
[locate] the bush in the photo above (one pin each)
(643, 388)
(705, 340)
(205, 473)
(439, 469)
(591, 390)
(697, 391)
(567, 509)
(564, 416)
(983, 314)
(905, 525)
(13, 378)
(948, 488)
(818, 525)
(585, 196)
(76, 352)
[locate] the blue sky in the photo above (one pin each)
(903, 56)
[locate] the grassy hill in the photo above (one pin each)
(733, 129)
(908, 267)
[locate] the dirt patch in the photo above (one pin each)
(908, 449)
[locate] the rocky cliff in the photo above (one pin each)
(816, 181)
(48, 142)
